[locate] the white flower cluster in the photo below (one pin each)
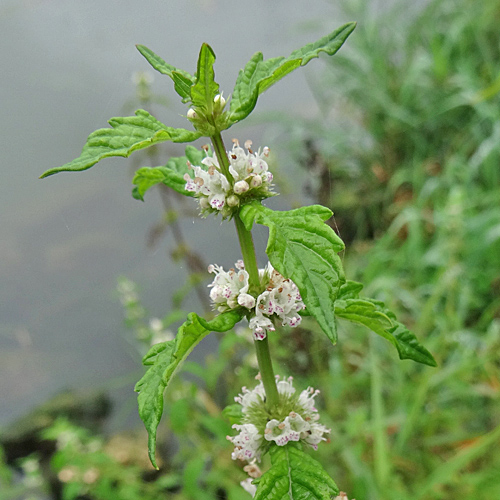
(250, 174)
(281, 297)
(301, 423)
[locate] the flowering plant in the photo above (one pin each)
(304, 275)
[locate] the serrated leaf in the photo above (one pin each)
(164, 360)
(172, 175)
(205, 88)
(127, 135)
(374, 315)
(304, 249)
(294, 475)
(258, 75)
(182, 79)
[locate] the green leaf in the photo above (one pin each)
(182, 86)
(195, 155)
(258, 75)
(172, 175)
(233, 413)
(182, 79)
(164, 360)
(350, 290)
(304, 249)
(294, 475)
(145, 178)
(205, 88)
(374, 315)
(127, 135)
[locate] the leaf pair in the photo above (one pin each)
(164, 360)
(143, 130)
(256, 77)
(199, 90)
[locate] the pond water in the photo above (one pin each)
(66, 69)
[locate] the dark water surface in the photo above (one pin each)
(66, 69)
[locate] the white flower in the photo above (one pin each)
(248, 486)
(281, 298)
(280, 432)
(306, 399)
(248, 398)
(315, 434)
(296, 422)
(249, 171)
(210, 185)
(246, 443)
(301, 423)
(229, 288)
(285, 386)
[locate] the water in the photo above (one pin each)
(66, 69)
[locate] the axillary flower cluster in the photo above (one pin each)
(294, 419)
(251, 179)
(279, 300)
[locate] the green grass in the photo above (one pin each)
(407, 154)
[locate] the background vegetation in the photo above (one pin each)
(406, 151)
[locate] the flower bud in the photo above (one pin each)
(219, 101)
(241, 187)
(267, 177)
(256, 181)
(204, 203)
(233, 201)
(191, 114)
(246, 300)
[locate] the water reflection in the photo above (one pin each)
(67, 68)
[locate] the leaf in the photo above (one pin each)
(258, 75)
(195, 155)
(164, 360)
(172, 175)
(304, 249)
(182, 79)
(233, 413)
(350, 290)
(127, 135)
(374, 315)
(182, 86)
(205, 88)
(294, 475)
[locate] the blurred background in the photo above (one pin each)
(399, 134)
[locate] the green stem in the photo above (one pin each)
(266, 372)
(220, 151)
(248, 253)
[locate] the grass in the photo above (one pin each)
(407, 154)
